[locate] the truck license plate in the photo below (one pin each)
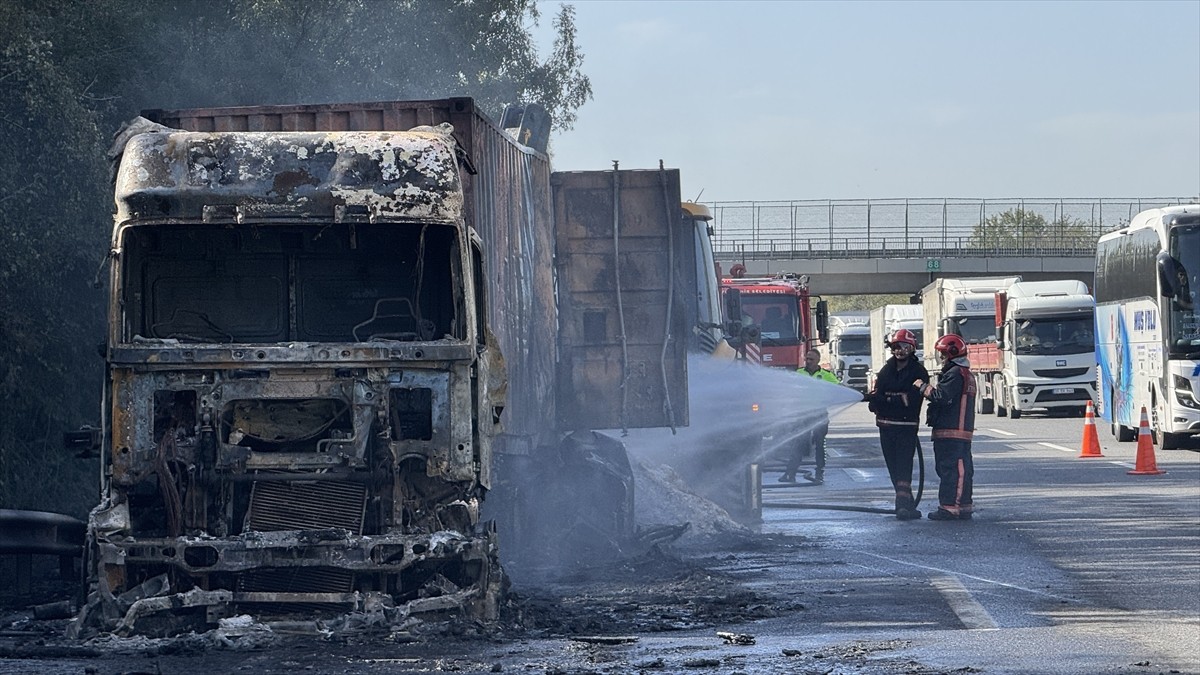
(1064, 390)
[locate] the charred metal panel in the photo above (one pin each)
(511, 203)
(410, 175)
(507, 188)
(630, 271)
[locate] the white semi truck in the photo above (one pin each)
(848, 349)
(885, 321)
(966, 308)
(1046, 349)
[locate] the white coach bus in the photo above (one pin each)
(1148, 324)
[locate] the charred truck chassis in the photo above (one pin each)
(295, 367)
(308, 311)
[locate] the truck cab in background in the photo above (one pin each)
(966, 308)
(849, 349)
(1046, 348)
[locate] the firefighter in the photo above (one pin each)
(952, 415)
(897, 411)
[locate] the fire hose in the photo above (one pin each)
(865, 509)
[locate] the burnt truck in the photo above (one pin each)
(335, 329)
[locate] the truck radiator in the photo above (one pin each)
(276, 506)
(303, 506)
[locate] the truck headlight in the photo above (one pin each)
(1024, 388)
(1186, 399)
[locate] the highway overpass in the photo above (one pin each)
(867, 276)
(853, 247)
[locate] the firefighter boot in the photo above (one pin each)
(906, 508)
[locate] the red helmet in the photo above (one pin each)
(906, 336)
(951, 345)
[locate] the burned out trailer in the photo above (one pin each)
(334, 329)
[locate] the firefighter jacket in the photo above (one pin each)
(952, 402)
(893, 400)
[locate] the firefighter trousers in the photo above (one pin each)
(899, 444)
(956, 473)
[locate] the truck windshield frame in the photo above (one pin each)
(975, 329)
(320, 282)
(780, 327)
(1054, 336)
(854, 345)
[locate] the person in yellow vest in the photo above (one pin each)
(812, 367)
(813, 439)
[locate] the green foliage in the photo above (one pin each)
(71, 72)
(254, 52)
(855, 303)
(1018, 228)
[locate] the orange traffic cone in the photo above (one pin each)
(1091, 442)
(1145, 465)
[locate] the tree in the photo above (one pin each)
(252, 52)
(854, 303)
(71, 72)
(1018, 228)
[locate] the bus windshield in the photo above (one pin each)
(1184, 324)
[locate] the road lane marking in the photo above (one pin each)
(1001, 432)
(967, 608)
(1057, 447)
(1034, 591)
(858, 475)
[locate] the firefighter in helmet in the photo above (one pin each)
(897, 411)
(952, 415)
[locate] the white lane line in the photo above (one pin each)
(1127, 465)
(969, 611)
(1015, 587)
(858, 475)
(1057, 447)
(1001, 432)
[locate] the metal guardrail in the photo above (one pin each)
(24, 534)
(917, 228)
(40, 533)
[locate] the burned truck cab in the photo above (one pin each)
(296, 363)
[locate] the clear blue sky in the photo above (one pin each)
(816, 100)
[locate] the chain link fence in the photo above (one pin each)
(915, 228)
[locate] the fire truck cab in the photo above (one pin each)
(780, 320)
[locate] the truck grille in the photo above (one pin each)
(858, 370)
(282, 506)
(1061, 372)
(1078, 394)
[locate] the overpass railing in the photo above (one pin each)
(917, 228)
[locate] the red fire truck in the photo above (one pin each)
(779, 319)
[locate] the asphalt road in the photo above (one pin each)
(1071, 566)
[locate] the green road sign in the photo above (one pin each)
(933, 265)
